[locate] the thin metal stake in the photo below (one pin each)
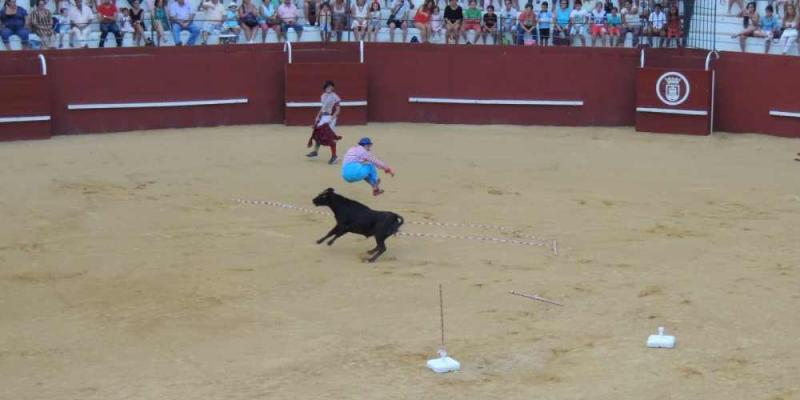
(441, 312)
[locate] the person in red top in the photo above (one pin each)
(422, 20)
(107, 13)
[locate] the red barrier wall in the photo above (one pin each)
(399, 72)
(24, 96)
(150, 75)
(748, 85)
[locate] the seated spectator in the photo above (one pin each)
(437, 23)
(644, 20)
(124, 21)
(268, 19)
(527, 26)
(230, 26)
(750, 22)
(289, 15)
(311, 10)
(13, 19)
(360, 13)
(137, 22)
(577, 22)
(614, 23)
(422, 20)
(108, 22)
(339, 18)
(325, 21)
(489, 25)
(658, 26)
(62, 25)
(561, 27)
(248, 17)
(674, 26)
(508, 23)
(374, 21)
(42, 24)
(599, 29)
(769, 29)
(160, 20)
(80, 23)
(453, 17)
(789, 35)
(631, 23)
(472, 21)
(181, 18)
(495, 4)
(214, 15)
(545, 18)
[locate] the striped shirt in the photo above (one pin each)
(358, 154)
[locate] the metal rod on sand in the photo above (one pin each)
(536, 297)
(441, 312)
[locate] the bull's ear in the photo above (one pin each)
(329, 190)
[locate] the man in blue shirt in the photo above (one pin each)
(182, 18)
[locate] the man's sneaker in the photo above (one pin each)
(377, 192)
(313, 154)
(333, 160)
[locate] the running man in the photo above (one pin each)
(325, 123)
(359, 164)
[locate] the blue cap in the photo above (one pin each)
(364, 141)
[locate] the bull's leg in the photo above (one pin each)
(331, 233)
(380, 249)
(336, 236)
(373, 250)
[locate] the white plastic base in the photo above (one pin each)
(660, 340)
(443, 364)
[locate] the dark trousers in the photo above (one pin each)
(112, 27)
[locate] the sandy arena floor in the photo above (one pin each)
(126, 271)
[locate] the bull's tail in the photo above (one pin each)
(397, 224)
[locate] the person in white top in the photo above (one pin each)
(80, 22)
(359, 11)
(214, 15)
(578, 22)
(790, 20)
(658, 26)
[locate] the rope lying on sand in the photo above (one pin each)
(531, 240)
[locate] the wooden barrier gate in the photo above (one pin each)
(675, 100)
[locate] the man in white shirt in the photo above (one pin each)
(214, 14)
(658, 26)
(181, 17)
(80, 22)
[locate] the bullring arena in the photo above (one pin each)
(154, 264)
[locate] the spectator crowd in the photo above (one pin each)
(606, 23)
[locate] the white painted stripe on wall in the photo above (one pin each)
(300, 104)
(156, 104)
(572, 103)
(33, 118)
(776, 113)
(671, 111)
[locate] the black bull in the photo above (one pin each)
(354, 217)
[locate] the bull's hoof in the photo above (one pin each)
(319, 241)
